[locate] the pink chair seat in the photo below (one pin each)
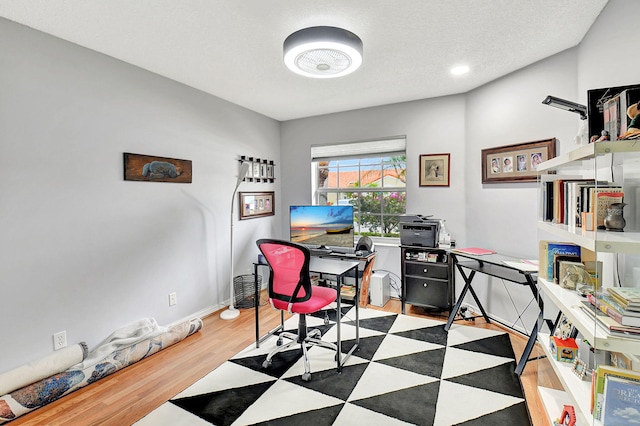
(320, 297)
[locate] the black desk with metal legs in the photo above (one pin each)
(322, 266)
(494, 265)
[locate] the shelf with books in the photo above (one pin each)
(570, 211)
(569, 302)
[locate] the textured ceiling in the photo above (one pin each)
(233, 48)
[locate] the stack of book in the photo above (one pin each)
(348, 292)
(617, 310)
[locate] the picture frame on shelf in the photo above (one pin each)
(563, 328)
(256, 169)
(256, 204)
(579, 368)
(435, 169)
(517, 162)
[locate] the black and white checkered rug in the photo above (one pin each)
(408, 370)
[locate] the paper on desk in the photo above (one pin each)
(523, 265)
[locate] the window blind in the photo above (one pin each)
(388, 147)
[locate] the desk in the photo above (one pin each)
(323, 266)
(493, 265)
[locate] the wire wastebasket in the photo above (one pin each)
(244, 290)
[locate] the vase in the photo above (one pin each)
(615, 220)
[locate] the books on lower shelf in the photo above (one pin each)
(608, 382)
(609, 324)
(610, 307)
(621, 399)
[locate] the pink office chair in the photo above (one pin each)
(290, 290)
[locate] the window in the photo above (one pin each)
(370, 175)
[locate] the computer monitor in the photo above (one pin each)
(321, 226)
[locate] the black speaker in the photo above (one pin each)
(364, 244)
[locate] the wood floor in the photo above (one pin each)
(129, 394)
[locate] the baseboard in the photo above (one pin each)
(200, 314)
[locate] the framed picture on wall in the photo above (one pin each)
(434, 169)
(256, 204)
(516, 163)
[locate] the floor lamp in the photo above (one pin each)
(232, 312)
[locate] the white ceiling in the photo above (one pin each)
(233, 48)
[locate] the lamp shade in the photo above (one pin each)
(323, 52)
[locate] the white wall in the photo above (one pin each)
(82, 249)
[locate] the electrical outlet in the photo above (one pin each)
(59, 340)
(173, 299)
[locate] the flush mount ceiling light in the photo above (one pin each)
(323, 52)
(566, 105)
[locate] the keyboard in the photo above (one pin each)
(319, 252)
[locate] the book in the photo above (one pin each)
(566, 276)
(547, 201)
(594, 269)
(612, 117)
(554, 249)
(587, 191)
(609, 324)
(603, 371)
(600, 213)
(611, 311)
(610, 300)
(572, 206)
(621, 397)
(630, 294)
(629, 306)
(628, 97)
(474, 250)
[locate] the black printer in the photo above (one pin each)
(419, 230)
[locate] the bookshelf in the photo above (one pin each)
(618, 162)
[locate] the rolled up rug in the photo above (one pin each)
(54, 363)
(38, 394)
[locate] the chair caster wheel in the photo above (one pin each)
(279, 342)
(306, 377)
(266, 364)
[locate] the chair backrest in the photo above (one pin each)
(289, 264)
